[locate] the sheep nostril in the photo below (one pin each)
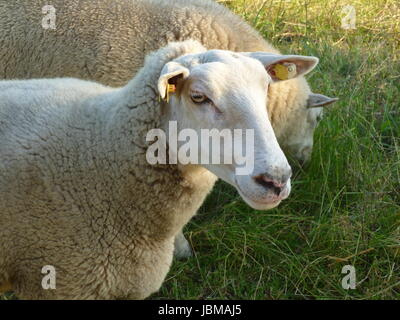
(269, 184)
(277, 190)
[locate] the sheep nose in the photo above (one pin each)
(274, 184)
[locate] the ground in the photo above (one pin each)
(344, 208)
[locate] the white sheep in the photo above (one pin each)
(77, 191)
(106, 41)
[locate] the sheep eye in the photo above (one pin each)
(199, 98)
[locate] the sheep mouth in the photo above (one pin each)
(259, 204)
(263, 202)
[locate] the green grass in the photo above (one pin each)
(345, 205)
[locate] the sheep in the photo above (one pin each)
(77, 190)
(106, 41)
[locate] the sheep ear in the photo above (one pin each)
(284, 67)
(170, 74)
(316, 100)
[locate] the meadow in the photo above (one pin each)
(344, 208)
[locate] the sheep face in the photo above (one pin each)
(226, 93)
(299, 136)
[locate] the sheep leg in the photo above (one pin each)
(182, 247)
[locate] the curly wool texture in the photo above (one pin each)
(107, 40)
(77, 193)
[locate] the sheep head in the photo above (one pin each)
(221, 95)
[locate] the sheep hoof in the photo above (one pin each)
(182, 250)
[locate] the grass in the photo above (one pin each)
(344, 208)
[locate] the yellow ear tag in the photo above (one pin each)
(292, 69)
(285, 71)
(171, 88)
